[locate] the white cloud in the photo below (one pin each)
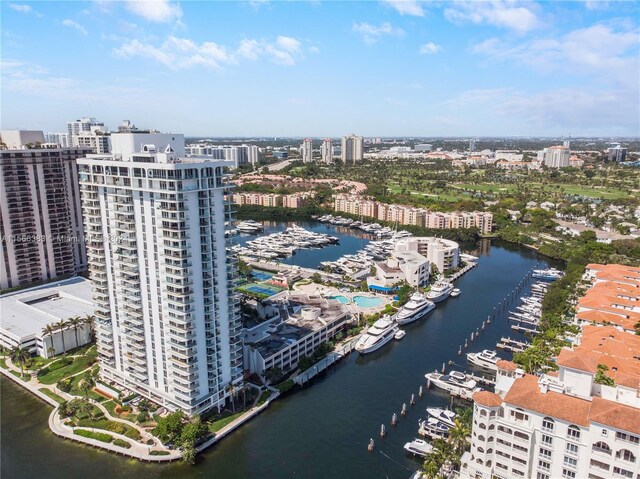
(371, 33)
(313, 50)
(406, 7)
(178, 53)
(510, 14)
(71, 24)
(159, 11)
(429, 48)
(599, 50)
(20, 8)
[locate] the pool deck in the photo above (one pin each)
(326, 291)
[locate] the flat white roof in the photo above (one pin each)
(25, 313)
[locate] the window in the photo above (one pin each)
(626, 455)
(521, 435)
(547, 439)
(627, 437)
(569, 474)
(544, 465)
(570, 461)
(622, 472)
(545, 453)
(519, 415)
(599, 465)
(501, 466)
(602, 447)
(542, 476)
(547, 424)
(573, 432)
(572, 449)
(517, 473)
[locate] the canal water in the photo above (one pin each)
(321, 431)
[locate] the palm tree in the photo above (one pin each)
(64, 409)
(87, 383)
(90, 321)
(232, 389)
(19, 355)
(86, 407)
(61, 325)
(51, 351)
(245, 387)
(48, 330)
(431, 468)
(75, 322)
(459, 436)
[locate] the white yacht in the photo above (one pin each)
(455, 382)
(440, 291)
(418, 447)
(550, 274)
(417, 307)
(445, 416)
(433, 428)
(456, 292)
(382, 331)
(486, 359)
(246, 227)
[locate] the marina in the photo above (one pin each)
(346, 401)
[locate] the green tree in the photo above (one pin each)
(601, 376)
(48, 330)
(74, 323)
(459, 436)
(87, 383)
(169, 428)
(62, 325)
(19, 356)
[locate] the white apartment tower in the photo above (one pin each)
(306, 151)
(167, 317)
(40, 213)
(555, 156)
(91, 133)
(253, 154)
(352, 148)
(326, 151)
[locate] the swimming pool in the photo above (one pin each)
(367, 301)
(342, 299)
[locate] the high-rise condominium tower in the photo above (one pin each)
(326, 151)
(40, 214)
(306, 151)
(352, 148)
(167, 317)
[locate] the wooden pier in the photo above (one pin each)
(512, 345)
(522, 329)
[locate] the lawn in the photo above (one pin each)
(99, 436)
(52, 395)
(112, 426)
(486, 187)
(218, 424)
(607, 193)
(3, 363)
(25, 378)
(79, 364)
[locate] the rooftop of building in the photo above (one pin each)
(300, 320)
(618, 350)
(604, 317)
(26, 312)
(487, 399)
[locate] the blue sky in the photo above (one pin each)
(401, 68)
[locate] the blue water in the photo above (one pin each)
(342, 299)
(367, 301)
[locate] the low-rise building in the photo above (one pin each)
(27, 312)
(297, 325)
(409, 266)
(443, 253)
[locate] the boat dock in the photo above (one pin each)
(512, 345)
(522, 329)
(482, 380)
(467, 268)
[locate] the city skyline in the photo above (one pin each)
(381, 69)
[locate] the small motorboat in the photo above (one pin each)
(400, 334)
(455, 292)
(418, 447)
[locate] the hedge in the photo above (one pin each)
(112, 426)
(99, 436)
(159, 453)
(121, 443)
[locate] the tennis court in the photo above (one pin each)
(260, 275)
(260, 289)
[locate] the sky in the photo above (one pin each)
(284, 68)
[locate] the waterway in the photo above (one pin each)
(321, 431)
(351, 240)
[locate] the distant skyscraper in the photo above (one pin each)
(254, 154)
(40, 214)
(352, 148)
(167, 316)
(555, 156)
(472, 144)
(306, 151)
(61, 139)
(616, 153)
(326, 151)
